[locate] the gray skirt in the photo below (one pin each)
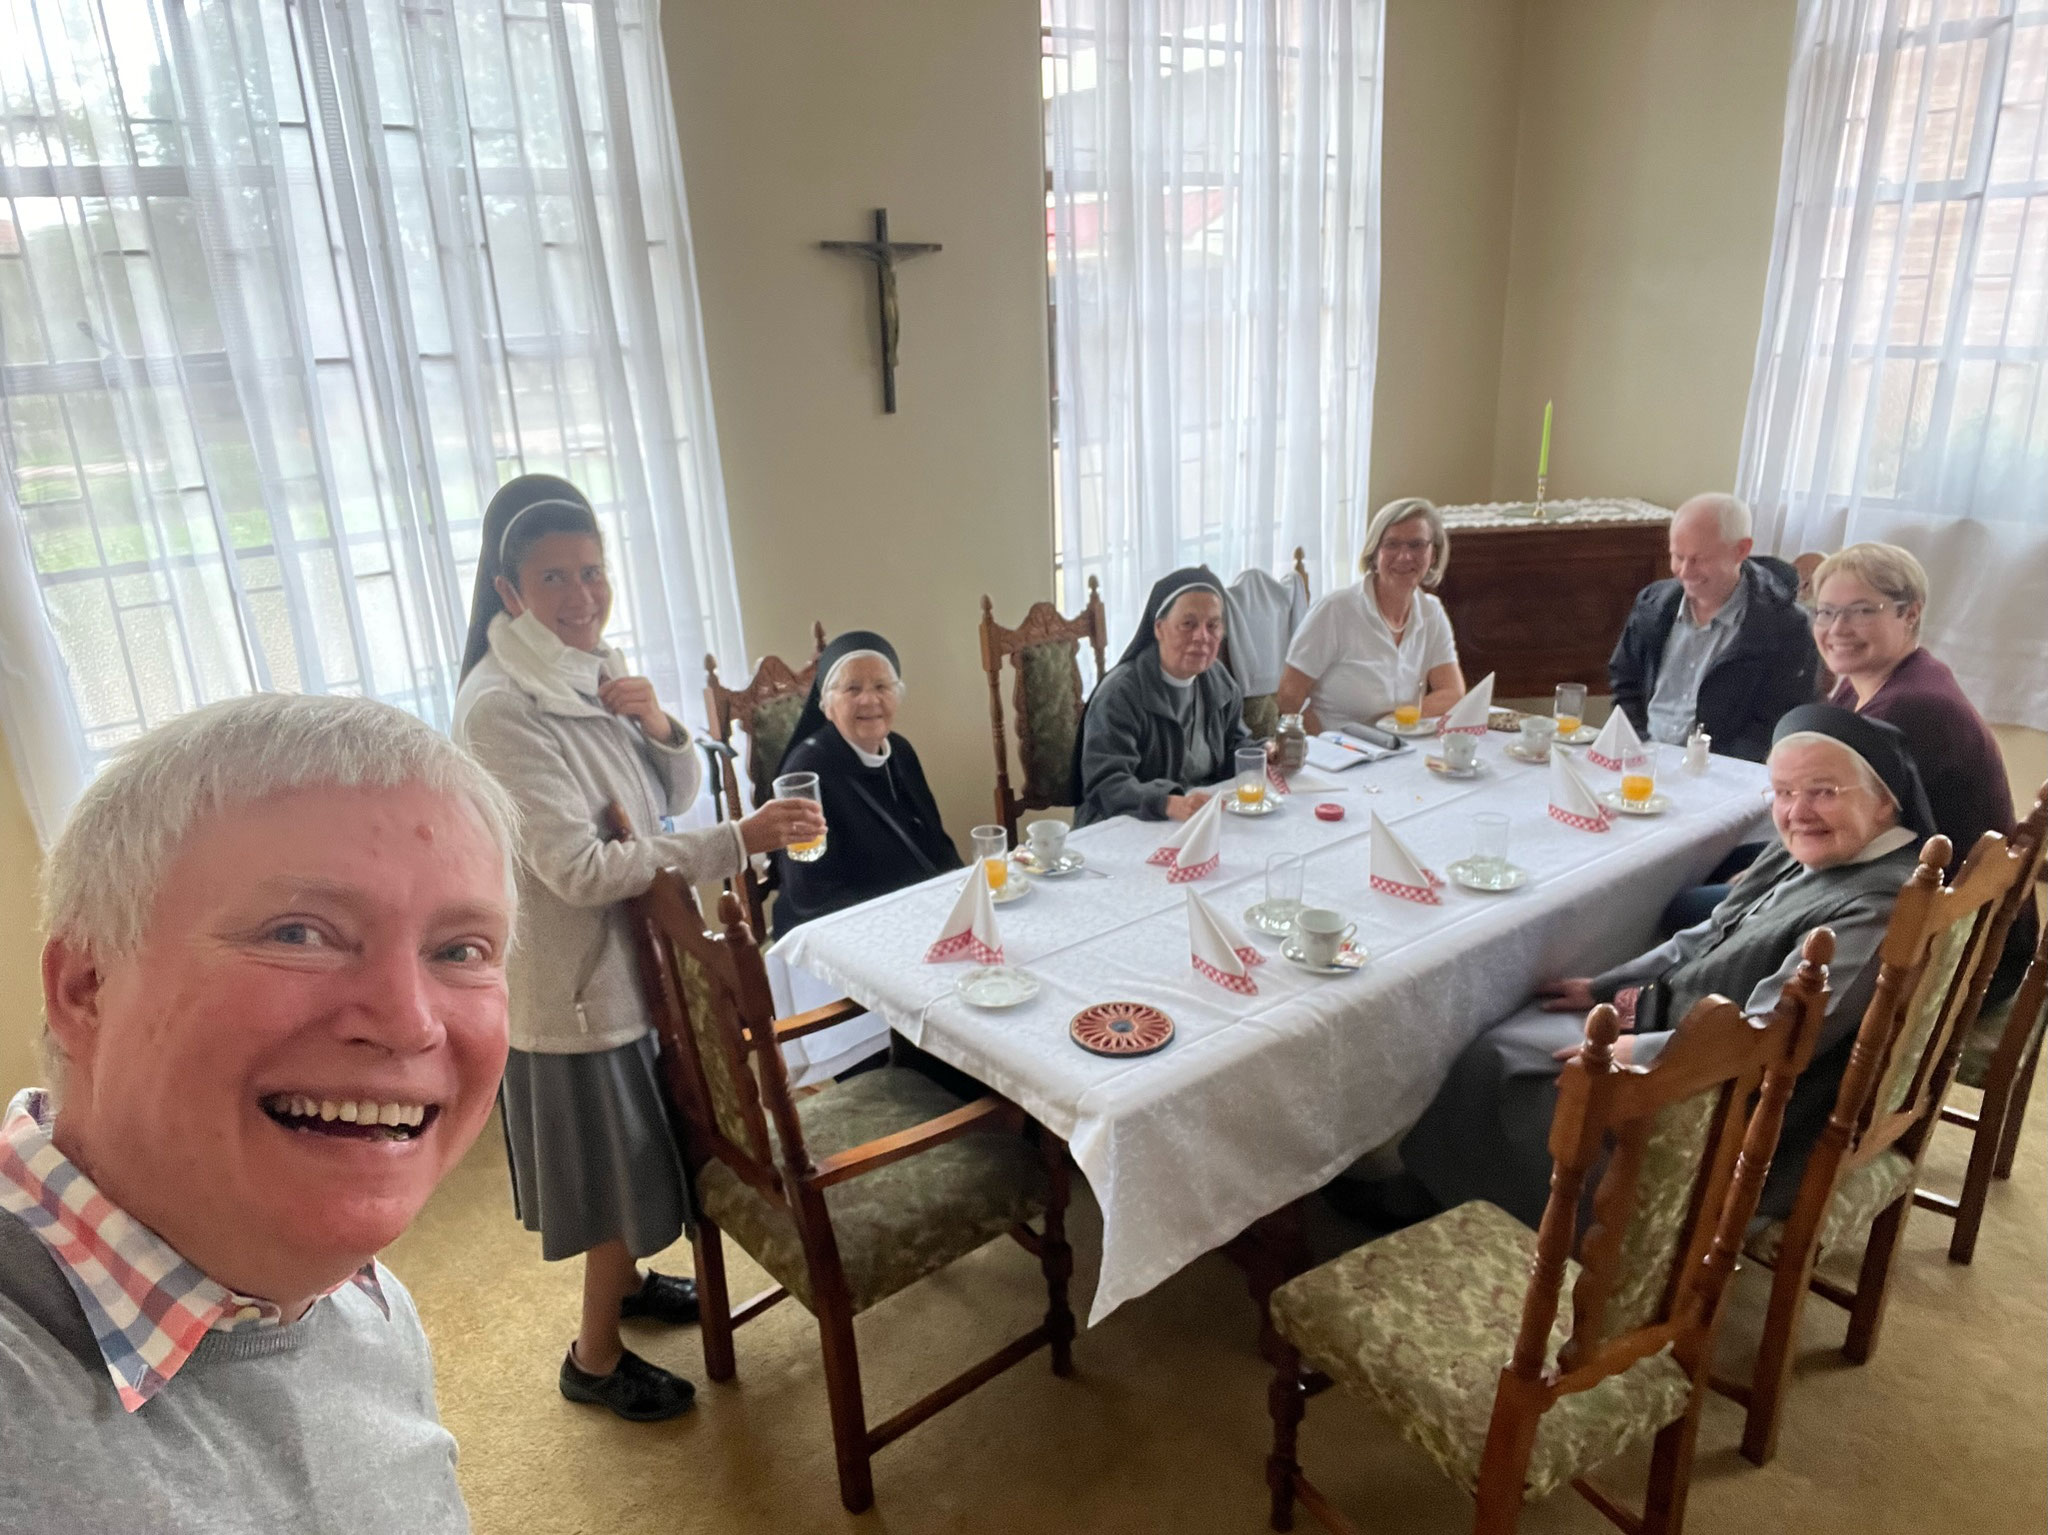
(592, 1157)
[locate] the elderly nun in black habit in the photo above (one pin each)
(884, 829)
(1850, 814)
(1167, 720)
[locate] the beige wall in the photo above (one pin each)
(20, 950)
(1645, 187)
(796, 120)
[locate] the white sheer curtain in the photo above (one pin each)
(287, 288)
(1899, 388)
(1213, 222)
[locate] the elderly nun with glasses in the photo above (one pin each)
(886, 831)
(1167, 721)
(556, 717)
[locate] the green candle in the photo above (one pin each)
(1543, 458)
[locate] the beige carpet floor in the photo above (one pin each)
(1164, 1426)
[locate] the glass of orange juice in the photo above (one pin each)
(1639, 775)
(992, 852)
(801, 786)
(1251, 777)
(1570, 708)
(1408, 715)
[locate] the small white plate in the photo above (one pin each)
(1349, 959)
(1514, 749)
(1261, 920)
(1015, 888)
(996, 986)
(1439, 766)
(1656, 804)
(1585, 735)
(1508, 878)
(1413, 732)
(1069, 862)
(1268, 804)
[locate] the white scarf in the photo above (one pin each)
(563, 679)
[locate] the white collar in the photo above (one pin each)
(1183, 683)
(1890, 840)
(868, 758)
(561, 678)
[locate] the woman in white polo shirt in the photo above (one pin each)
(1364, 649)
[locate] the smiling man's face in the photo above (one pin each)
(308, 1036)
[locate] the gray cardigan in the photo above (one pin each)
(1133, 751)
(573, 974)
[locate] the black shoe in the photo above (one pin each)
(636, 1390)
(662, 1298)
(1384, 1206)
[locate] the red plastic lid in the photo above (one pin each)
(1329, 810)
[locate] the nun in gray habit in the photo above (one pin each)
(1167, 720)
(1486, 1135)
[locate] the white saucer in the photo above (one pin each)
(1015, 888)
(1509, 878)
(1585, 735)
(1260, 921)
(1268, 805)
(1514, 749)
(1656, 804)
(1069, 862)
(1442, 768)
(1350, 959)
(1413, 732)
(996, 986)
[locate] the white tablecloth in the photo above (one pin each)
(1259, 1100)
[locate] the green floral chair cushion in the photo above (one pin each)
(1048, 703)
(1861, 1197)
(897, 1224)
(774, 723)
(1262, 715)
(1672, 1155)
(1981, 1043)
(1924, 1013)
(1424, 1320)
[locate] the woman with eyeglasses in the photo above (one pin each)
(1366, 650)
(886, 831)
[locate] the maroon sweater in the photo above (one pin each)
(1956, 753)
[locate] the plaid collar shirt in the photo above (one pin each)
(148, 1307)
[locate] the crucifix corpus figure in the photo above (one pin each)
(884, 253)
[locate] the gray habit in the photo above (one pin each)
(1487, 1133)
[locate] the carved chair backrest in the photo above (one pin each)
(1933, 968)
(712, 1010)
(1046, 699)
(766, 709)
(1673, 1197)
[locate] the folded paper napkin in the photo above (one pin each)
(1219, 950)
(1275, 779)
(1396, 871)
(1571, 801)
(1617, 740)
(970, 932)
(1469, 713)
(1194, 850)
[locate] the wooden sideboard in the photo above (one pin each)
(1542, 603)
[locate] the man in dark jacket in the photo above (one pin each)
(1723, 644)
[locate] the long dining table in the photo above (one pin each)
(1259, 1099)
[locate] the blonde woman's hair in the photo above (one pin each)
(1407, 509)
(1884, 568)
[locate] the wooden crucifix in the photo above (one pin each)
(884, 253)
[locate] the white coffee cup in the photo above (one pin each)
(1538, 731)
(1461, 752)
(1322, 934)
(1048, 841)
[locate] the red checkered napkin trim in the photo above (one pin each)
(1597, 822)
(1276, 778)
(1164, 856)
(1422, 895)
(1612, 764)
(1183, 872)
(1461, 730)
(1242, 984)
(963, 943)
(1247, 955)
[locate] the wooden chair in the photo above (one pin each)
(1421, 1320)
(1999, 1054)
(1044, 652)
(1806, 564)
(1860, 1174)
(845, 1196)
(766, 709)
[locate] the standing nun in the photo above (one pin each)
(886, 831)
(1167, 720)
(552, 712)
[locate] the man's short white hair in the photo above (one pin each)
(1731, 514)
(102, 876)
